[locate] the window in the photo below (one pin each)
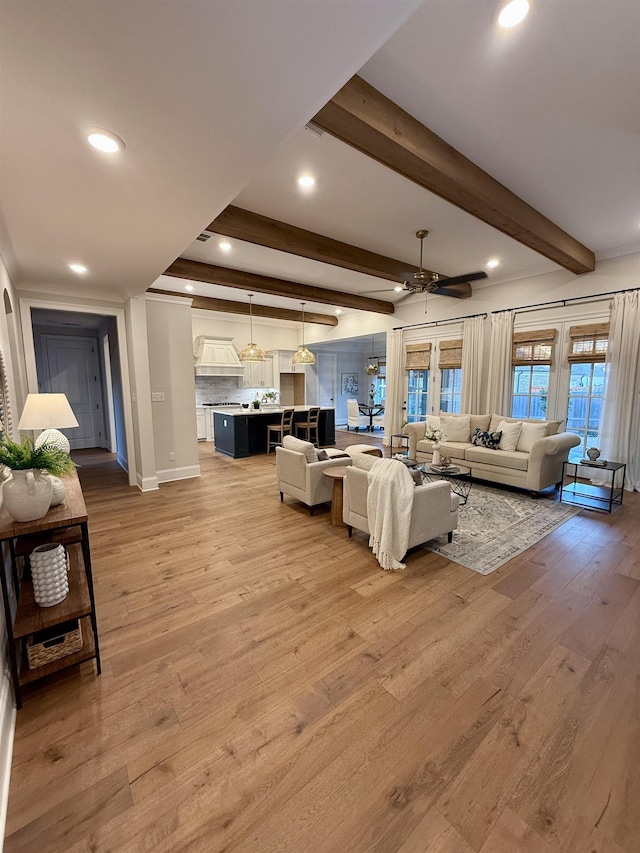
(380, 382)
(450, 364)
(417, 362)
(587, 352)
(531, 357)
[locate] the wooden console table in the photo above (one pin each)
(66, 524)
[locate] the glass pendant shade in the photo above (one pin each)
(251, 352)
(303, 355)
(372, 368)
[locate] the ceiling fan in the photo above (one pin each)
(422, 281)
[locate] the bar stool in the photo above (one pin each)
(310, 426)
(280, 430)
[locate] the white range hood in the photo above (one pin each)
(217, 357)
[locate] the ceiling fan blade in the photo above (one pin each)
(459, 279)
(389, 290)
(461, 290)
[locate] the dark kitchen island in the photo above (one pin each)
(242, 432)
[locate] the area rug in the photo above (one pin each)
(496, 525)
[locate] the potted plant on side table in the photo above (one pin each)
(27, 494)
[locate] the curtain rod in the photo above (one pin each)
(439, 322)
(563, 302)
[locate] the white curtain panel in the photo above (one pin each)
(472, 352)
(499, 378)
(393, 413)
(620, 432)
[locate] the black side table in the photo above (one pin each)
(587, 495)
(402, 442)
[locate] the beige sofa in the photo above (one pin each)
(434, 511)
(533, 469)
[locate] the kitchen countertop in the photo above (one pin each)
(263, 410)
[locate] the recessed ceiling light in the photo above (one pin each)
(338, 311)
(493, 263)
(104, 140)
(513, 13)
(306, 182)
(224, 245)
(188, 287)
(80, 269)
(398, 289)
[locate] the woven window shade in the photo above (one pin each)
(450, 354)
(417, 356)
(534, 347)
(588, 343)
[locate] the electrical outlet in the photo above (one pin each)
(172, 457)
(157, 396)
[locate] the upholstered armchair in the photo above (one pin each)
(299, 473)
(434, 511)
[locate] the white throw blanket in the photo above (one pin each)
(389, 505)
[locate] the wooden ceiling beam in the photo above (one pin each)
(228, 306)
(368, 121)
(254, 228)
(253, 283)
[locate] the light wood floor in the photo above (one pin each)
(266, 688)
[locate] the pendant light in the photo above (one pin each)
(303, 355)
(251, 352)
(373, 366)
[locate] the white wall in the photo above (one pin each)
(7, 709)
(171, 373)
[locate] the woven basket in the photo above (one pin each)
(54, 643)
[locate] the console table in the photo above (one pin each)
(66, 524)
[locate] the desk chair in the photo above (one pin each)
(310, 426)
(279, 430)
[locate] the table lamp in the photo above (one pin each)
(48, 412)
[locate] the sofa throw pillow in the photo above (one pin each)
(456, 427)
(290, 442)
(510, 434)
(483, 438)
(322, 455)
(530, 434)
(417, 476)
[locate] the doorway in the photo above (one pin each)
(69, 365)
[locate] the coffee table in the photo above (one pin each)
(460, 480)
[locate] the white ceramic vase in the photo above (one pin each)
(436, 455)
(49, 574)
(27, 495)
(58, 490)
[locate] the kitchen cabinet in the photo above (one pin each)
(283, 360)
(201, 427)
(259, 374)
(66, 524)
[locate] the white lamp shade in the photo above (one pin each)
(47, 411)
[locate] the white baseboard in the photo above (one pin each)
(7, 730)
(185, 473)
(147, 484)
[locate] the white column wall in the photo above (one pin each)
(140, 385)
(171, 373)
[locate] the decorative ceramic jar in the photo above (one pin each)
(436, 455)
(58, 490)
(49, 574)
(27, 495)
(593, 453)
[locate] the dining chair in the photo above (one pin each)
(354, 419)
(310, 426)
(280, 430)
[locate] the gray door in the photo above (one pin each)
(71, 367)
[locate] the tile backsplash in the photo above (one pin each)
(224, 389)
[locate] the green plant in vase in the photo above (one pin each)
(34, 485)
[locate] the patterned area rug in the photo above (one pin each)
(496, 525)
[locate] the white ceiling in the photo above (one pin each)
(204, 95)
